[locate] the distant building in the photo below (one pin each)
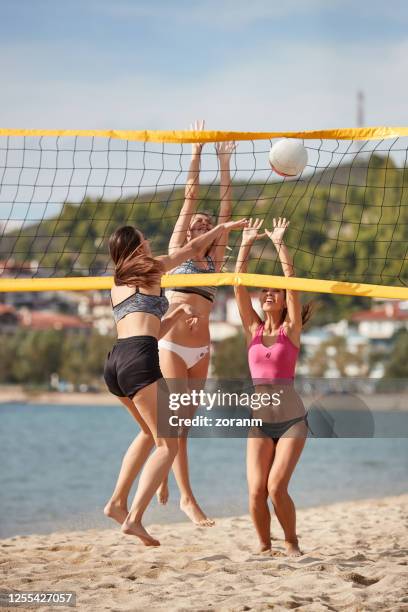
(96, 309)
(382, 322)
(312, 339)
(232, 315)
(10, 268)
(42, 320)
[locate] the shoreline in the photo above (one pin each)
(19, 395)
(397, 402)
(176, 522)
(355, 557)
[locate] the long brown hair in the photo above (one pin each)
(307, 312)
(132, 266)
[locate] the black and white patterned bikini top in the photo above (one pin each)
(141, 302)
(189, 267)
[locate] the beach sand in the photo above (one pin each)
(355, 558)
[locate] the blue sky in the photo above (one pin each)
(259, 65)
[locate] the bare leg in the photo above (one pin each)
(173, 367)
(132, 463)
(188, 504)
(163, 492)
(287, 453)
(156, 467)
(260, 453)
(175, 372)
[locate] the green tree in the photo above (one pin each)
(397, 365)
(74, 359)
(30, 357)
(36, 355)
(97, 348)
(230, 358)
(8, 348)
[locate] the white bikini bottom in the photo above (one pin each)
(190, 355)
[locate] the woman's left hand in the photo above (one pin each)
(224, 151)
(279, 228)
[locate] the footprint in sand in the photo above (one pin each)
(306, 560)
(215, 558)
(359, 579)
(69, 548)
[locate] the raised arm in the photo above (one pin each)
(249, 317)
(189, 207)
(292, 297)
(224, 152)
(194, 247)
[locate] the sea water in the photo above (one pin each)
(58, 467)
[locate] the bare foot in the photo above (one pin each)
(264, 547)
(195, 514)
(137, 529)
(163, 493)
(115, 511)
(292, 548)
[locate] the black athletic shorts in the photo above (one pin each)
(133, 363)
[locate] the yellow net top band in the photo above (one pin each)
(217, 279)
(189, 136)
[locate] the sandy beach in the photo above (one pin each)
(355, 558)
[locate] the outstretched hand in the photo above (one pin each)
(224, 151)
(250, 233)
(197, 126)
(235, 225)
(279, 228)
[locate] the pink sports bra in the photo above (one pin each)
(272, 362)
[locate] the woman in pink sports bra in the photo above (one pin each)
(274, 448)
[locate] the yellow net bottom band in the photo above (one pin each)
(225, 278)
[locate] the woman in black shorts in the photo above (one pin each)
(132, 370)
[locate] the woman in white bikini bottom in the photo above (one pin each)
(190, 356)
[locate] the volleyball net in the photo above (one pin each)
(63, 192)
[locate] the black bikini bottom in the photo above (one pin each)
(277, 430)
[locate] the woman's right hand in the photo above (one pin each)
(234, 225)
(197, 126)
(192, 319)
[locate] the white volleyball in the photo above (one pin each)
(288, 157)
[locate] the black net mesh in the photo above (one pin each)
(61, 197)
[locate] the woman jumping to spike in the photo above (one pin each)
(273, 347)
(132, 370)
(185, 354)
